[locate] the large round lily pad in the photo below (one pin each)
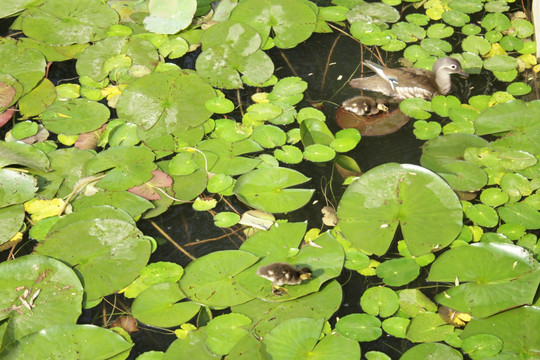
(37, 292)
(65, 22)
(106, 253)
(16, 187)
(25, 65)
(491, 276)
(68, 342)
(175, 97)
(75, 116)
(389, 195)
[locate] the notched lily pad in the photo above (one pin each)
(75, 116)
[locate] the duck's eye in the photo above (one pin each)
(453, 66)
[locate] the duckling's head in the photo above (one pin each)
(305, 273)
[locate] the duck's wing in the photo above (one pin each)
(373, 83)
(414, 82)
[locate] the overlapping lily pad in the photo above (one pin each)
(102, 247)
(65, 22)
(175, 97)
(38, 292)
(491, 277)
(389, 195)
(75, 116)
(210, 279)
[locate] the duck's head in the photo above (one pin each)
(447, 66)
(305, 273)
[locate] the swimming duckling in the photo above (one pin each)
(365, 106)
(283, 274)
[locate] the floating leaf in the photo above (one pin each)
(209, 279)
(392, 194)
(178, 100)
(27, 66)
(396, 326)
(360, 327)
(64, 340)
(159, 305)
(428, 327)
(433, 350)
(169, 17)
(75, 116)
(100, 249)
(398, 272)
(492, 277)
(16, 187)
(416, 107)
(268, 189)
(64, 22)
(154, 273)
(226, 219)
(380, 301)
(39, 292)
(225, 331)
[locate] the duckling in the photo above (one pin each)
(365, 106)
(283, 274)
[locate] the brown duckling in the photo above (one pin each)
(365, 106)
(406, 83)
(283, 274)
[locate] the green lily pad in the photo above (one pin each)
(101, 248)
(520, 213)
(515, 327)
(517, 119)
(466, 6)
(27, 66)
(428, 327)
(439, 31)
(289, 154)
(266, 314)
(376, 13)
(455, 18)
(50, 288)
(398, 272)
(360, 327)
(392, 194)
(269, 136)
(492, 277)
(425, 130)
(139, 58)
(434, 351)
(192, 347)
(396, 326)
(408, 32)
(160, 305)
(75, 116)
(11, 7)
(444, 155)
(209, 279)
(319, 153)
(476, 45)
(413, 302)
(523, 28)
(314, 131)
(291, 21)
(175, 97)
(11, 220)
(65, 22)
(131, 166)
(481, 214)
(16, 187)
(225, 331)
(170, 16)
(416, 107)
(381, 301)
(442, 105)
(37, 100)
(493, 197)
(500, 63)
(64, 340)
(297, 335)
(267, 189)
(134, 205)
(482, 346)
(226, 219)
(154, 273)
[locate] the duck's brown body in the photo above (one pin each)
(403, 83)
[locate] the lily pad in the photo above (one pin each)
(75, 116)
(65, 340)
(515, 327)
(407, 195)
(16, 187)
(266, 314)
(225, 331)
(360, 327)
(292, 21)
(39, 292)
(11, 220)
(267, 189)
(398, 272)
(380, 301)
(170, 16)
(27, 66)
(432, 350)
(492, 277)
(428, 327)
(295, 336)
(175, 97)
(102, 247)
(209, 279)
(65, 22)
(160, 305)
